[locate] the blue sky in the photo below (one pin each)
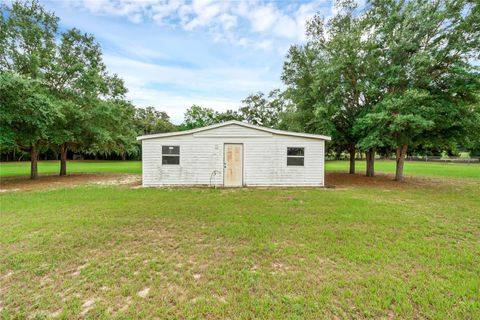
(173, 54)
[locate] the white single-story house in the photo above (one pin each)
(233, 154)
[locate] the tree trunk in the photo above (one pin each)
(401, 152)
(63, 159)
(124, 156)
(33, 162)
(370, 158)
(352, 159)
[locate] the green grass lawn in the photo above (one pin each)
(403, 251)
(414, 168)
(411, 168)
(53, 167)
(356, 252)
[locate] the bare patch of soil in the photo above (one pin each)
(87, 306)
(79, 269)
(143, 293)
(45, 182)
(380, 180)
(333, 180)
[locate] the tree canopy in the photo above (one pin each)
(391, 75)
(72, 100)
(149, 120)
(259, 109)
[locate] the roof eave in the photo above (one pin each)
(219, 125)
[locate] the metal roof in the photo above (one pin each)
(235, 122)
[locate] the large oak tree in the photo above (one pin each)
(27, 46)
(428, 82)
(27, 112)
(328, 78)
(392, 75)
(73, 102)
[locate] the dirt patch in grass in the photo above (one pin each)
(333, 180)
(47, 182)
(143, 293)
(382, 180)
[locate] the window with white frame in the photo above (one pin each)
(295, 156)
(170, 155)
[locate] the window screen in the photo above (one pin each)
(295, 156)
(170, 155)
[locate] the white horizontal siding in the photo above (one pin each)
(197, 162)
(266, 162)
(265, 159)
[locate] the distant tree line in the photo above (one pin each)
(258, 109)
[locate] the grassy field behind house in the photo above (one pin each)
(414, 168)
(432, 169)
(8, 169)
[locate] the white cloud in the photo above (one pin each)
(208, 79)
(136, 18)
(174, 53)
(287, 27)
(243, 42)
(262, 18)
(204, 13)
(265, 44)
(155, 85)
(215, 16)
(227, 20)
(162, 11)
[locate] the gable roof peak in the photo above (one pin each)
(236, 122)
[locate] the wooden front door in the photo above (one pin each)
(233, 165)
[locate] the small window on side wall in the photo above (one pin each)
(295, 156)
(170, 155)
